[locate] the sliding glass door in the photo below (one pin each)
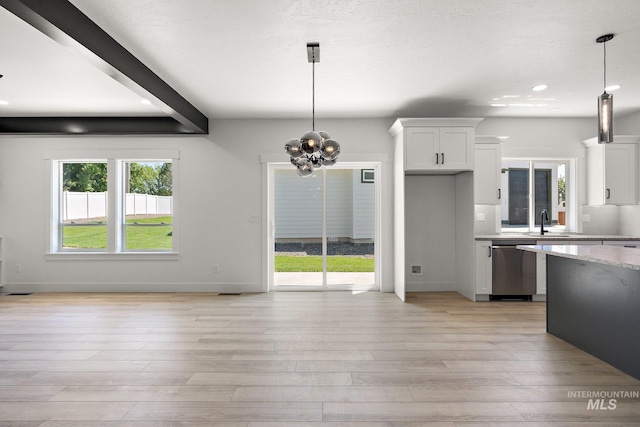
(323, 228)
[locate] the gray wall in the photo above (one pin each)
(217, 228)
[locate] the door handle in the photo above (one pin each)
(608, 193)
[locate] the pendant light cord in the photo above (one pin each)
(313, 94)
(604, 45)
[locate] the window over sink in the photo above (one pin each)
(531, 186)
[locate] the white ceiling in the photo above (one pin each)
(379, 58)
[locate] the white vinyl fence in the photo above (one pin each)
(94, 205)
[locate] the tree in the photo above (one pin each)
(81, 177)
(142, 178)
(164, 182)
(561, 189)
(154, 179)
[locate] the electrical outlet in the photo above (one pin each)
(480, 216)
(416, 270)
(216, 268)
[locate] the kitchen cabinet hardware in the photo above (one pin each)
(487, 171)
(612, 171)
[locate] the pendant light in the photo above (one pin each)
(313, 149)
(605, 101)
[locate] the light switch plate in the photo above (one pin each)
(586, 218)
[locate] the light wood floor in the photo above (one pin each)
(293, 359)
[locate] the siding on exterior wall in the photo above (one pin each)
(339, 205)
(363, 208)
(298, 205)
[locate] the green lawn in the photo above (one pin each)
(287, 263)
(95, 236)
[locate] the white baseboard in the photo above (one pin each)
(131, 287)
(431, 287)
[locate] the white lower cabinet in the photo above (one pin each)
(484, 267)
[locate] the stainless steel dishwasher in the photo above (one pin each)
(514, 271)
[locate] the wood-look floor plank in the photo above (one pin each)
(25, 411)
(122, 423)
(144, 394)
(333, 359)
(364, 424)
(450, 411)
(234, 411)
(114, 378)
(322, 394)
(29, 394)
(578, 411)
(270, 379)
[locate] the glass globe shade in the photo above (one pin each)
(304, 167)
(324, 136)
(293, 148)
(330, 149)
(311, 142)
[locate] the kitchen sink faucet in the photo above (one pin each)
(544, 216)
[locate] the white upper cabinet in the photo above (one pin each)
(437, 145)
(612, 171)
(486, 172)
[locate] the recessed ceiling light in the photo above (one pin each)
(511, 96)
(496, 99)
(611, 88)
(3, 102)
(145, 102)
(553, 110)
(498, 105)
(538, 88)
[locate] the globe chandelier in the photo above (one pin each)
(313, 149)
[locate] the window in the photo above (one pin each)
(83, 206)
(531, 187)
(113, 205)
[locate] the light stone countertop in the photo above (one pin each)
(553, 236)
(617, 256)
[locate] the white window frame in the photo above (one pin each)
(121, 242)
(571, 205)
(115, 160)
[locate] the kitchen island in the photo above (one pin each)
(593, 300)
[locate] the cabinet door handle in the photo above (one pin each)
(608, 193)
(437, 159)
(442, 158)
(490, 250)
(499, 193)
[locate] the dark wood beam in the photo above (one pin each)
(66, 24)
(91, 126)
